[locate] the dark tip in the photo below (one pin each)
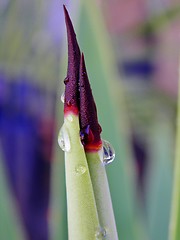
(71, 89)
(78, 94)
(64, 7)
(87, 110)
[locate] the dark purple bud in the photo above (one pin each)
(88, 114)
(71, 81)
(78, 94)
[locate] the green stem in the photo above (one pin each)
(174, 231)
(83, 219)
(102, 195)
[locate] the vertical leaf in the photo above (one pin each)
(159, 179)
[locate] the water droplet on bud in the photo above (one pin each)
(62, 97)
(63, 139)
(108, 153)
(80, 169)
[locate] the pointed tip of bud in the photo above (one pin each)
(78, 94)
(64, 7)
(66, 14)
(71, 81)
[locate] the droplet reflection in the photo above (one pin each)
(62, 97)
(63, 139)
(80, 169)
(100, 233)
(108, 153)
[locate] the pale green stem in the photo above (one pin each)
(102, 195)
(174, 231)
(83, 219)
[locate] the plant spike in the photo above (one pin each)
(90, 212)
(83, 219)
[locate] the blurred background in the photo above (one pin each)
(132, 54)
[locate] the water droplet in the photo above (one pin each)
(100, 233)
(70, 118)
(62, 97)
(66, 80)
(108, 153)
(80, 169)
(63, 139)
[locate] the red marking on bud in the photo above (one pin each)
(93, 147)
(71, 109)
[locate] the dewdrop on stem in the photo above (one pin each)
(64, 140)
(108, 153)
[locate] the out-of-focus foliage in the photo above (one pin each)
(136, 110)
(28, 80)
(102, 75)
(10, 226)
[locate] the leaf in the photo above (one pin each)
(159, 179)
